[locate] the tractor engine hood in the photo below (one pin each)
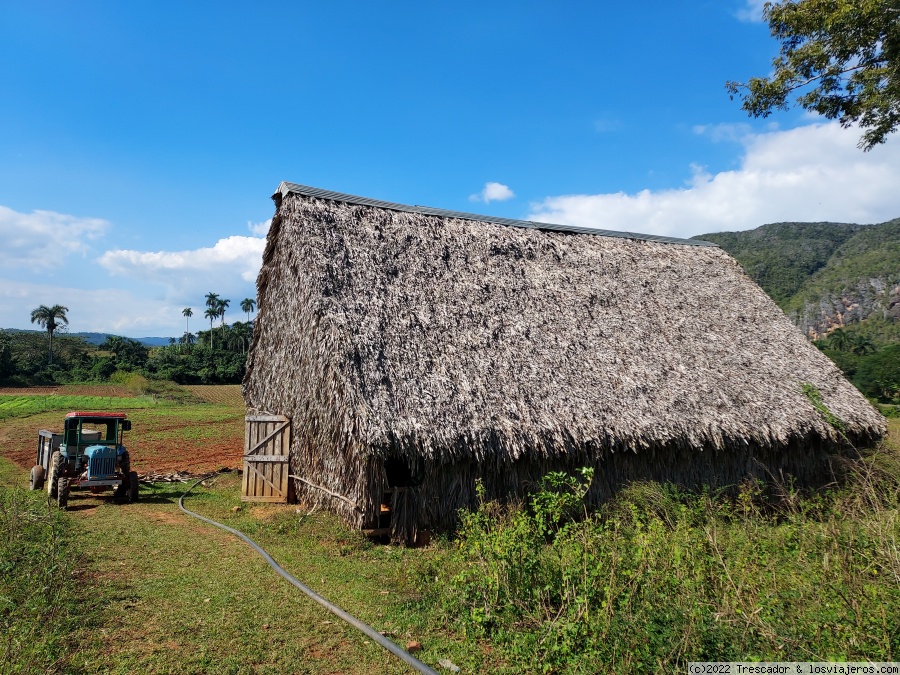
(101, 461)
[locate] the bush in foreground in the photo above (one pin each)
(660, 577)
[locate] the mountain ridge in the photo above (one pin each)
(96, 338)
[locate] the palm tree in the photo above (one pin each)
(247, 305)
(211, 314)
(212, 299)
(187, 339)
(187, 312)
(49, 318)
(222, 305)
(839, 340)
(172, 341)
(242, 332)
(863, 345)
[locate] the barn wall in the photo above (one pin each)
(448, 488)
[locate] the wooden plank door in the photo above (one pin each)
(267, 447)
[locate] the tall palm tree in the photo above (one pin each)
(49, 318)
(222, 305)
(242, 333)
(212, 299)
(187, 312)
(247, 305)
(211, 314)
(863, 345)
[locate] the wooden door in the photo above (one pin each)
(267, 447)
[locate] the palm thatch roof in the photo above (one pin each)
(393, 330)
(481, 348)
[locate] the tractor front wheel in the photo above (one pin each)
(53, 475)
(37, 477)
(62, 493)
(132, 486)
(125, 463)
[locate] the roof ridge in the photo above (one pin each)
(286, 188)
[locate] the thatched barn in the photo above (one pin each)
(416, 350)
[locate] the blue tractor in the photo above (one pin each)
(87, 455)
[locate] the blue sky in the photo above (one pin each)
(140, 142)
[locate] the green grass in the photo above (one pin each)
(43, 591)
(179, 596)
(211, 604)
(657, 578)
(13, 405)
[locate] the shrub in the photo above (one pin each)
(659, 577)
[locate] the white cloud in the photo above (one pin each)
(149, 300)
(41, 238)
(228, 267)
(810, 173)
(105, 310)
(493, 192)
(751, 11)
(259, 229)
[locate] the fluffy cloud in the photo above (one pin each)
(40, 238)
(811, 173)
(105, 310)
(493, 192)
(259, 229)
(228, 267)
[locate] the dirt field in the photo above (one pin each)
(71, 390)
(165, 438)
(225, 394)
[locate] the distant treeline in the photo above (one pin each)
(193, 360)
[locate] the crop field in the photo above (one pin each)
(166, 436)
(224, 394)
(115, 390)
(12, 405)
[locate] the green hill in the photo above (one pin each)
(826, 275)
(781, 257)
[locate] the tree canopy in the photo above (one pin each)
(839, 58)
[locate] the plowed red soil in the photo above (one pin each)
(186, 439)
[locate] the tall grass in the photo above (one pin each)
(660, 577)
(43, 601)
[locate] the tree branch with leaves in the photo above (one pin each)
(838, 58)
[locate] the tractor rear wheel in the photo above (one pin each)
(132, 486)
(53, 474)
(62, 493)
(37, 477)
